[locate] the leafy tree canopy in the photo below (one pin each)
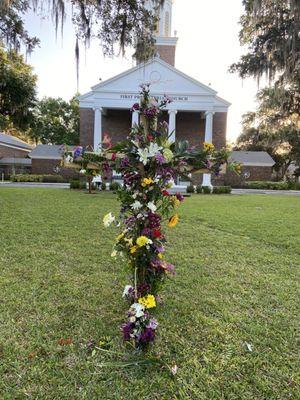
(272, 130)
(126, 22)
(17, 91)
(56, 121)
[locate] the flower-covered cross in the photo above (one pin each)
(149, 163)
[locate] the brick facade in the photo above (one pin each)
(86, 127)
(46, 167)
(10, 152)
(117, 124)
(167, 53)
(256, 174)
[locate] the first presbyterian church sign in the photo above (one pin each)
(137, 97)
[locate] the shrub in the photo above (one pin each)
(206, 189)
(77, 184)
(190, 189)
(114, 186)
(38, 178)
(103, 186)
(222, 190)
(267, 185)
(199, 189)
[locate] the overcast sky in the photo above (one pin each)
(208, 44)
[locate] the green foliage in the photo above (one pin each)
(199, 189)
(57, 278)
(272, 129)
(221, 190)
(103, 186)
(77, 184)
(206, 189)
(38, 178)
(190, 189)
(267, 185)
(114, 186)
(56, 121)
(17, 91)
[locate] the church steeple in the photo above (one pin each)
(165, 41)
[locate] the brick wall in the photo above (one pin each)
(256, 174)
(219, 129)
(117, 124)
(86, 127)
(167, 53)
(10, 152)
(41, 167)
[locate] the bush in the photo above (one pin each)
(206, 189)
(267, 185)
(38, 178)
(222, 190)
(114, 186)
(190, 189)
(198, 189)
(77, 184)
(103, 186)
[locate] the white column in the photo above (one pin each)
(172, 125)
(135, 118)
(208, 138)
(97, 128)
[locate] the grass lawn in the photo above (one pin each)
(237, 282)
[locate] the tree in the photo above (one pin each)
(271, 130)
(270, 29)
(56, 121)
(17, 91)
(126, 22)
(12, 31)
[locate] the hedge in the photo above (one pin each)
(38, 178)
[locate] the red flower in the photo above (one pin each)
(113, 157)
(150, 137)
(165, 193)
(157, 233)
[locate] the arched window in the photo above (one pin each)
(167, 24)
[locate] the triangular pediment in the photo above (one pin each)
(163, 78)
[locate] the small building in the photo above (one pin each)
(256, 166)
(47, 160)
(14, 155)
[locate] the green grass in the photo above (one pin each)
(237, 282)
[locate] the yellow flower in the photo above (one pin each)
(148, 301)
(208, 146)
(147, 182)
(133, 249)
(174, 201)
(108, 219)
(160, 256)
(142, 241)
(173, 221)
(129, 242)
(118, 238)
(167, 153)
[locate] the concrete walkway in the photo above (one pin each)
(180, 189)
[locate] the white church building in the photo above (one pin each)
(196, 113)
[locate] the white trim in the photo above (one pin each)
(45, 158)
(15, 147)
(258, 164)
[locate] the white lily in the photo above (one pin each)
(108, 219)
(152, 206)
(136, 205)
(126, 291)
(138, 309)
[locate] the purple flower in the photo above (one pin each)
(153, 324)
(179, 197)
(135, 107)
(124, 162)
(147, 336)
(154, 220)
(147, 232)
(126, 330)
(160, 158)
(77, 151)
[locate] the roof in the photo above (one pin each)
(48, 152)
(15, 161)
(253, 158)
(12, 141)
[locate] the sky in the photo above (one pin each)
(208, 44)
